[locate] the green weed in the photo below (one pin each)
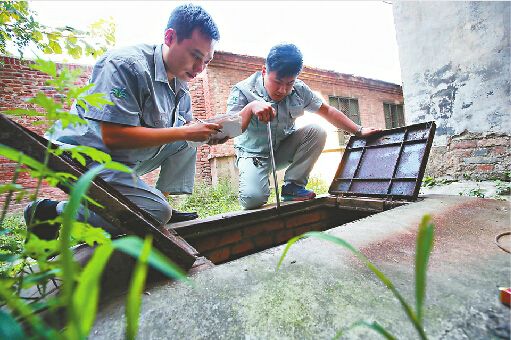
(429, 182)
(208, 200)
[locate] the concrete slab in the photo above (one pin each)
(322, 288)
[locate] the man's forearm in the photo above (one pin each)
(337, 118)
(117, 136)
(246, 115)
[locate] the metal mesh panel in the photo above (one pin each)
(349, 106)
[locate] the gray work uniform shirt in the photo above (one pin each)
(253, 142)
(135, 80)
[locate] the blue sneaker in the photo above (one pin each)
(293, 192)
(45, 209)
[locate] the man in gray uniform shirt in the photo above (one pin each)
(275, 94)
(149, 122)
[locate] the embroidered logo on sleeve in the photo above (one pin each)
(233, 100)
(118, 92)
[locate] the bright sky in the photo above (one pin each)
(345, 36)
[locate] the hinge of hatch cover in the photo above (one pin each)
(366, 204)
(369, 204)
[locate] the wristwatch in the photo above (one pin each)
(358, 133)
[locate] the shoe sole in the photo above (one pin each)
(297, 198)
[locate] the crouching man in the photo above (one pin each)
(275, 95)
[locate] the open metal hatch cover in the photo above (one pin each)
(389, 164)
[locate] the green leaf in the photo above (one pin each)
(9, 328)
(20, 157)
(93, 153)
(10, 187)
(86, 295)
(373, 325)
(22, 112)
(47, 103)
(132, 245)
(40, 249)
(135, 291)
(425, 240)
(37, 36)
(84, 232)
(45, 66)
(55, 46)
(118, 167)
(76, 92)
(97, 100)
(26, 312)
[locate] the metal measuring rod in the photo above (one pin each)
(272, 160)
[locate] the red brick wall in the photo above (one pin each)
(19, 83)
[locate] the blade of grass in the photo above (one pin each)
(9, 328)
(373, 325)
(18, 306)
(86, 295)
(69, 214)
(425, 239)
(132, 245)
(135, 291)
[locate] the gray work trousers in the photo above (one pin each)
(177, 174)
(298, 152)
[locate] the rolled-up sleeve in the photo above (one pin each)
(123, 85)
(311, 102)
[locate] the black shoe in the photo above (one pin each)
(178, 216)
(45, 209)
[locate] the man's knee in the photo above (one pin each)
(162, 212)
(252, 201)
(318, 133)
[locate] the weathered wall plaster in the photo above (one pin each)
(455, 65)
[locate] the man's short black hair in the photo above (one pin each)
(285, 59)
(185, 19)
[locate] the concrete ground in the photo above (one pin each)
(321, 288)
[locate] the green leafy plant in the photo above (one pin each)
(424, 246)
(429, 182)
(476, 192)
(35, 264)
(502, 188)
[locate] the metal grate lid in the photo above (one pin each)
(390, 164)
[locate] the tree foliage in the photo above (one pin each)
(18, 26)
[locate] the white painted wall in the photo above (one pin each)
(455, 65)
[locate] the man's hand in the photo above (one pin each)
(264, 111)
(368, 131)
(199, 132)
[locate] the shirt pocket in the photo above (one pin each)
(296, 111)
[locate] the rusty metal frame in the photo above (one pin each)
(356, 177)
(121, 212)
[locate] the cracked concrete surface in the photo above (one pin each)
(322, 288)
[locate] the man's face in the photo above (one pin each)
(189, 57)
(277, 88)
